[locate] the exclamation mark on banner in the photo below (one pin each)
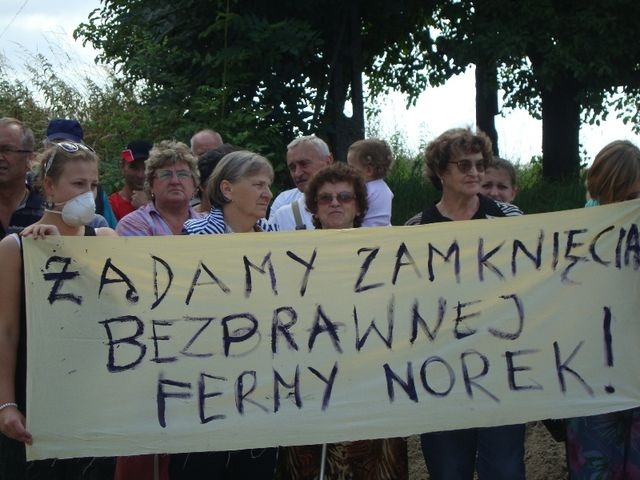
(608, 351)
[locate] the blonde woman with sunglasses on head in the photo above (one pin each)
(68, 178)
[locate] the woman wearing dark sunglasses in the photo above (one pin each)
(336, 196)
(68, 179)
(455, 163)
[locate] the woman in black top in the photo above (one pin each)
(455, 163)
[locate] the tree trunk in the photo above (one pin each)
(487, 100)
(345, 78)
(560, 130)
(357, 100)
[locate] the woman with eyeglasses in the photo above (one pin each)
(68, 178)
(171, 179)
(607, 446)
(336, 196)
(455, 163)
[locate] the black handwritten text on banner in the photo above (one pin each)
(174, 344)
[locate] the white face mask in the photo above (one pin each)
(79, 211)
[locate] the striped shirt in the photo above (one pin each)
(214, 223)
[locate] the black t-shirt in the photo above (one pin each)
(487, 208)
(25, 215)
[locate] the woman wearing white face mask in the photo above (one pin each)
(68, 178)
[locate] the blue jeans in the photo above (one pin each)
(452, 455)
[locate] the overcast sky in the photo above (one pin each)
(46, 27)
(43, 26)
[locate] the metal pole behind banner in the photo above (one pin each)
(156, 467)
(323, 460)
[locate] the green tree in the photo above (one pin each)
(584, 52)
(260, 74)
(561, 60)
(111, 112)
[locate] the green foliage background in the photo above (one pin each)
(112, 114)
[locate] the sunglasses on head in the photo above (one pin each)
(69, 147)
(465, 165)
(341, 197)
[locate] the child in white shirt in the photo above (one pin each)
(373, 159)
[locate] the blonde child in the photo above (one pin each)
(372, 158)
(500, 181)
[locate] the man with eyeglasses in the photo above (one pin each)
(131, 196)
(20, 205)
(305, 156)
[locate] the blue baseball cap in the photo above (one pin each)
(65, 129)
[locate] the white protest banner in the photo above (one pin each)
(224, 342)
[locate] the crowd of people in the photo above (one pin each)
(210, 187)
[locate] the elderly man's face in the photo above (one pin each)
(13, 165)
(303, 161)
(203, 142)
